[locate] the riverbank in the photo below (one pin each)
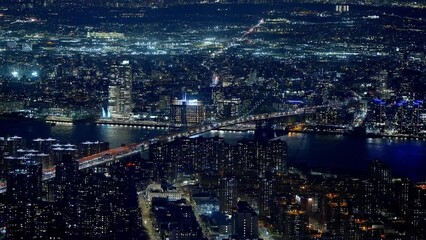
(367, 135)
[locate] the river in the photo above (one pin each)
(334, 153)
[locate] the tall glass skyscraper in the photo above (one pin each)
(120, 102)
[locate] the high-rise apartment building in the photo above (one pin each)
(402, 195)
(295, 225)
(89, 148)
(24, 183)
(381, 179)
(245, 222)
(66, 171)
(228, 193)
(266, 194)
(23, 193)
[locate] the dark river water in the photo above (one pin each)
(337, 154)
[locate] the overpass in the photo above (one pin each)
(120, 153)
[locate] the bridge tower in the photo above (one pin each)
(264, 129)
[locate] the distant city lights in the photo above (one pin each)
(15, 74)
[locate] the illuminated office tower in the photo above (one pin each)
(377, 113)
(187, 112)
(408, 117)
(228, 193)
(245, 222)
(120, 101)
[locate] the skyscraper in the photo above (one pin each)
(120, 102)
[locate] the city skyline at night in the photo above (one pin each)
(228, 119)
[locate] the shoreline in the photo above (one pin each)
(366, 136)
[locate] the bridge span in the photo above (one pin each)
(120, 153)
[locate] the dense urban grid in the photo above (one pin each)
(187, 67)
(196, 188)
